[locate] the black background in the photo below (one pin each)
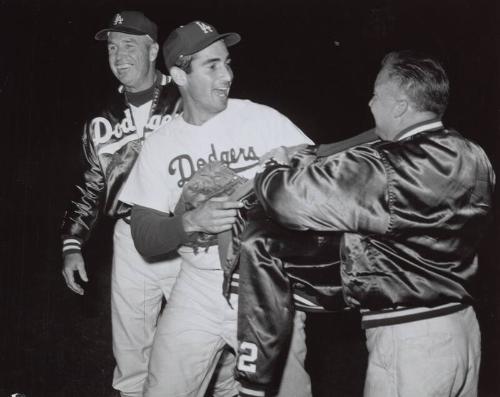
(313, 60)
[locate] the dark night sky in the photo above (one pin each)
(313, 60)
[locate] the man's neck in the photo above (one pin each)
(407, 124)
(144, 85)
(193, 115)
(419, 126)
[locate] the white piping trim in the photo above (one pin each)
(304, 301)
(72, 246)
(425, 127)
(403, 312)
(251, 392)
(72, 241)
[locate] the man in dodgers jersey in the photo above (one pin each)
(198, 322)
(111, 143)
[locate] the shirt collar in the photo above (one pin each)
(428, 125)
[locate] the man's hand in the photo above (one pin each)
(74, 263)
(213, 216)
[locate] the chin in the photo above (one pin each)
(222, 106)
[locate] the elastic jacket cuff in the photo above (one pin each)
(251, 390)
(71, 246)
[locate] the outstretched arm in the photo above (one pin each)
(345, 192)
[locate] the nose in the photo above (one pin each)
(370, 102)
(226, 73)
(120, 52)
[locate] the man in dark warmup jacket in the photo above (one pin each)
(412, 209)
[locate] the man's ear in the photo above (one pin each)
(400, 108)
(178, 75)
(153, 52)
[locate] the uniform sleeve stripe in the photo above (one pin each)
(71, 250)
(68, 247)
(304, 301)
(250, 392)
(234, 295)
(71, 241)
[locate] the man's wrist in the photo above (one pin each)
(187, 223)
(176, 225)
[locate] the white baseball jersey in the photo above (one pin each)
(237, 136)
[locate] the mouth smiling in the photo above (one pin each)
(123, 67)
(222, 92)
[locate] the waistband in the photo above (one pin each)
(372, 318)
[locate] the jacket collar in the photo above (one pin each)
(428, 125)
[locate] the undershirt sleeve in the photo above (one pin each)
(156, 233)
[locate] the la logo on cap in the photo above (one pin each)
(203, 26)
(118, 20)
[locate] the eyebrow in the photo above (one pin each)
(211, 60)
(217, 59)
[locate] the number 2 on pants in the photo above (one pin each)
(246, 360)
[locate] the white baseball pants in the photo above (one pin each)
(137, 288)
(192, 333)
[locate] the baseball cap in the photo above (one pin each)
(191, 38)
(131, 22)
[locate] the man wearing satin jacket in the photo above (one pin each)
(111, 142)
(412, 208)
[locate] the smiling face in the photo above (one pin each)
(205, 89)
(132, 60)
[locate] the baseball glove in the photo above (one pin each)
(215, 179)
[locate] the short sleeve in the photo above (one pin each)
(147, 183)
(283, 131)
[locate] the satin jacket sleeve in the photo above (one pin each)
(426, 185)
(343, 192)
(83, 211)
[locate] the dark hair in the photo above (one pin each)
(184, 63)
(421, 77)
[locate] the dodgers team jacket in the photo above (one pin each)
(278, 270)
(111, 144)
(411, 214)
